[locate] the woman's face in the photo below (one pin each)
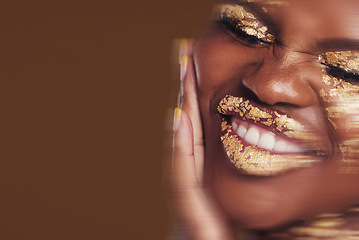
(279, 98)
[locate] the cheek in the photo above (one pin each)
(210, 65)
(340, 101)
(221, 61)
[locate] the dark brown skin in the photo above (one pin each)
(285, 77)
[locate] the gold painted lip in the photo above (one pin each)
(272, 120)
(253, 161)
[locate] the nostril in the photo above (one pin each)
(248, 92)
(263, 93)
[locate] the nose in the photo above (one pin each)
(284, 78)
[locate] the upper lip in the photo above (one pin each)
(278, 123)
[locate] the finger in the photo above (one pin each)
(194, 208)
(183, 166)
(190, 103)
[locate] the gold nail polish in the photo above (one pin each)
(176, 118)
(184, 64)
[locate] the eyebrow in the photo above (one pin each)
(338, 44)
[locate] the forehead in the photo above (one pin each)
(309, 21)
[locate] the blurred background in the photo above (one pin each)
(85, 87)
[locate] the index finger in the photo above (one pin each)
(190, 102)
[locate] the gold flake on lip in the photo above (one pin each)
(258, 162)
(243, 20)
(247, 111)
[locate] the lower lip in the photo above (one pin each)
(253, 161)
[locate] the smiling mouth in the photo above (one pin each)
(264, 143)
(255, 135)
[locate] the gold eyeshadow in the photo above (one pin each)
(241, 20)
(345, 60)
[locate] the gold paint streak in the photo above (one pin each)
(342, 98)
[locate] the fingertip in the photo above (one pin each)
(176, 118)
(185, 58)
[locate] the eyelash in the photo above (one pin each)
(340, 73)
(232, 25)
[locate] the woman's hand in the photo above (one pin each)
(197, 215)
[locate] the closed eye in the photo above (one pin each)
(236, 28)
(244, 25)
(340, 73)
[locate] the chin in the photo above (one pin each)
(260, 214)
(254, 203)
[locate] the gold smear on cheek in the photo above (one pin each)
(244, 21)
(342, 100)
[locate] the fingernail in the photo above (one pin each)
(184, 64)
(176, 118)
(183, 48)
(183, 57)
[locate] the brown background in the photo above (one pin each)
(84, 90)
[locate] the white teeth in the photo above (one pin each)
(252, 136)
(293, 149)
(242, 131)
(280, 146)
(234, 126)
(266, 141)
